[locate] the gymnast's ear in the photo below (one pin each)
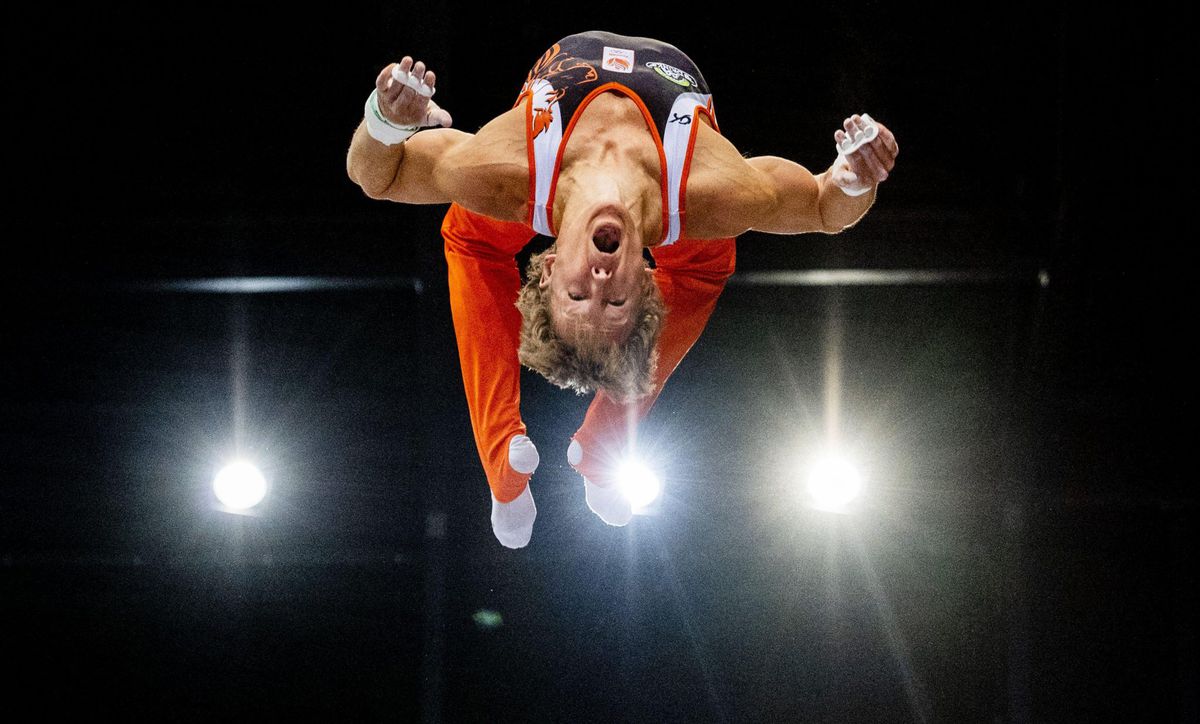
(547, 263)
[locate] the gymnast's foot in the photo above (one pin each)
(512, 522)
(608, 502)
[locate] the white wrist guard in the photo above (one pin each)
(380, 128)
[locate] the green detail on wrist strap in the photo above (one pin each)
(379, 115)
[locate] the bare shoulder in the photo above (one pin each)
(725, 193)
(489, 173)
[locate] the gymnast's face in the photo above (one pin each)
(596, 277)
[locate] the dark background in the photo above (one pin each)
(1025, 551)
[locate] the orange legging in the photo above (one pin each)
(484, 283)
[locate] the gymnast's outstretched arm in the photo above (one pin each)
(485, 172)
(778, 196)
(385, 158)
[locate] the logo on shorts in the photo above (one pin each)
(675, 75)
(618, 60)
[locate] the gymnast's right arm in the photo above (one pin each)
(385, 158)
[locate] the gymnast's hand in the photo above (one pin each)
(405, 93)
(867, 153)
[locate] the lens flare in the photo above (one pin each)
(833, 483)
(639, 484)
(240, 486)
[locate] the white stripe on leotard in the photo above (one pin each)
(545, 152)
(675, 147)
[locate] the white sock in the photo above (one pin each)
(609, 503)
(512, 522)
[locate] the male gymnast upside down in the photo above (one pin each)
(612, 146)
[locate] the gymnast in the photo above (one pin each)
(611, 147)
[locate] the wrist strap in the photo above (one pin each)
(380, 128)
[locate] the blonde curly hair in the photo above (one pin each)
(624, 370)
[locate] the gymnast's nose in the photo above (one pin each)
(600, 272)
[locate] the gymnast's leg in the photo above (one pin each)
(484, 282)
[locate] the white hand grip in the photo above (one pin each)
(412, 81)
(851, 144)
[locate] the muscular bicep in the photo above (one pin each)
(486, 172)
(729, 194)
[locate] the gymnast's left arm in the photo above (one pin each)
(385, 158)
(779, 196)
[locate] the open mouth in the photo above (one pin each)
(607, 238)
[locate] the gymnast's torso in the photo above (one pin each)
(589, 97)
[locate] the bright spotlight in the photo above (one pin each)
(240, 486)
(833, 484)
(639, 484)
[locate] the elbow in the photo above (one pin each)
(827, 224)
(350, 174)
(353, 175)
(830, 222)
(837, 226)
(833, 221)
(831, 228)
(374, 191)
(371, 184)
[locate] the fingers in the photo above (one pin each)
(888, 141)
(882, 151)
(404, 90)
(386, 83)
(437, 116)
(409, 76)
(405, 74)
(874, 156)
(383, 80)
(884, 147)
(858, 130)
(853, 125)
(877, 170)
(859, 169)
